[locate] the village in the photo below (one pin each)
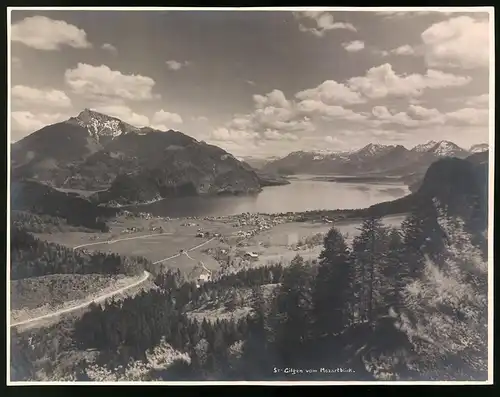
(204, 248)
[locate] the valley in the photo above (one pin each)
(186, 255)
(273, 238)
(245, 195)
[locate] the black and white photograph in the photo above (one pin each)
(237, 195)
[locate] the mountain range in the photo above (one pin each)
(124, 164)
(373, 159)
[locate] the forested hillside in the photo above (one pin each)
(32, 257)
(399, 304)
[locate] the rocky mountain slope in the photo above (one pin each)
(372, 159)
(94, 152)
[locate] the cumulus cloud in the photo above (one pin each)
(354, 46)
(24, 96)
(275, 98)
(162, 119)
(103, 84)
(420, 113)
(274, 118)
(331, 93)
(328, 112)
(234, 135)
(384, 116)
(109, 47)
(319, 22)
(382, 81)
(479, 100)
(458, 42)
(469, 116)
(333, 140)
(176, 65)
(282, 119)
(47, 34)
(275, 135)
(418, 116)
(125, 114)
(25, 122)
(404, 50)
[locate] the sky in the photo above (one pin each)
(258, 83)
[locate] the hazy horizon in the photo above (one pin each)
(259, 83)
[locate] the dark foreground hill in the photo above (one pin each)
(37, 198)
(460, 185)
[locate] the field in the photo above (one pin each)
(161, 240)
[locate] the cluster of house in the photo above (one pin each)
(204, 233)
(263, 222)
(241, 233)
(145, 215)
(132, 229)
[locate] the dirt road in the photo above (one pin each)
(84, 304)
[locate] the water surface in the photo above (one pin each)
(300, 195)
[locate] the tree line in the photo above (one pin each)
(32, 257)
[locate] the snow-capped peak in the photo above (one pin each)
(372, 149)
(480, 147)
(424, 147)
(101, 125)
(445, 148)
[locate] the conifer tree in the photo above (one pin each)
(369, 249)
(294, 305)
(332, 293)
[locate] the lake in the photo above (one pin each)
(301, 194)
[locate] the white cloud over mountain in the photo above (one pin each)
(102, 84)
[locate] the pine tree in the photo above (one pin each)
(294, 304)
(369, 249)
(332, 293)
(394, 273)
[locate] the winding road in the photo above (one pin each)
(112, 293)
(84, 304)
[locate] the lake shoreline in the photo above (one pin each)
(300, 196)
(360, 179)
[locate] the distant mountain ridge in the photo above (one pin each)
(371, 159)
(481, 147)
(128, 164)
